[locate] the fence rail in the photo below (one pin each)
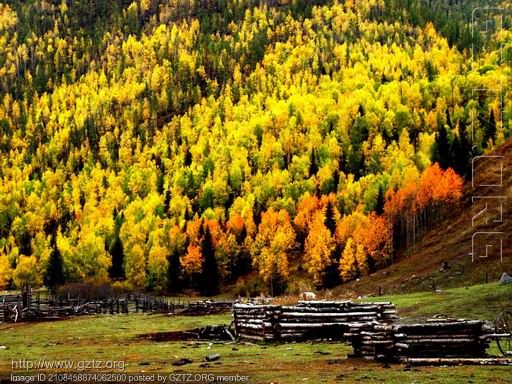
(31, 305)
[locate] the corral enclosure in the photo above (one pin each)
(29, 305)
(143, 341)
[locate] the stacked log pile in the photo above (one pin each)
(446, 340)
(372, 329)
(307, 320)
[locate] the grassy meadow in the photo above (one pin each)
(122, 338)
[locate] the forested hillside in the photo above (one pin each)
(172, 144)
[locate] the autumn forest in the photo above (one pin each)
(171, 145)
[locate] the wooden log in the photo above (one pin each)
(252, 337)
(340, 320)
(326, 315)
(439, 336)
(380, 342)
(455, 361)
(244, 316)
(437, 340)
(322, 303)
(250, 325)
(494, 336)
(308, 325)
(244, 333)
(252, 306)
(314, 309)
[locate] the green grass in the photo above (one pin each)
(484, 301)
(117, 338)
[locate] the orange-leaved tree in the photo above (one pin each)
(305, 212)
(420, 204)
(375, 236)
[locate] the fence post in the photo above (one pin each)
(235, 322)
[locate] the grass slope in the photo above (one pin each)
(483, 301)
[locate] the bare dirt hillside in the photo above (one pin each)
(485, 207)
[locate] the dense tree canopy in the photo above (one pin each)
(287, 128)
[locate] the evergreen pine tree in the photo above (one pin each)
(210, 274)
(188, 158)
(54, 270)
(167, 201)
(336, 180)
(313, 167)
(381, 201)
(160, 183)
(117, 252)
(448, 119)
(330, 220)
(455, 151)
(490, 129)
(442, 148)
(332, 274)
(462, 158)
(174, 277)
(200, 231)
(116, 270)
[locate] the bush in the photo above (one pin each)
(250, 287)
(89, 291)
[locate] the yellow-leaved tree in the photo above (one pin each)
(5, 271)
(361, 259)
(271, 248)
(318, 248)
(348, 261)
(26, 273)
(158, 259)
(135, 266)
(157, 267)
(92, 259)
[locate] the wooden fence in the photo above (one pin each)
(306, 320)
(30, 305)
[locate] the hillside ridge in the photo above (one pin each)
(451, 242)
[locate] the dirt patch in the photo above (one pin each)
(170, 336)
(210, 332)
